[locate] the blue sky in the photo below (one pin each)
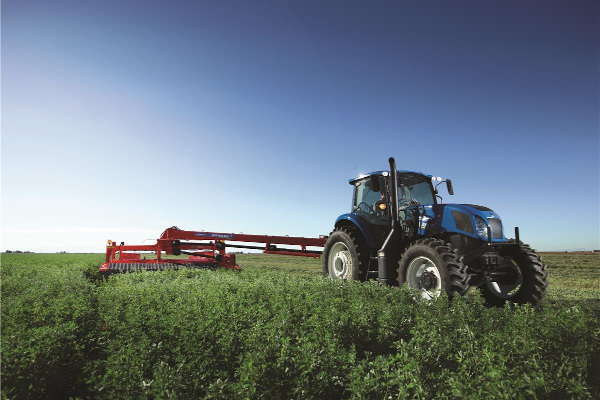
(120, 119)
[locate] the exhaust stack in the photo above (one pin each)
(386, 256)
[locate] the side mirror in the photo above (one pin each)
(382, 184)
(375, 183)
(449, 186)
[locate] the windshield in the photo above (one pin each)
(419, 191)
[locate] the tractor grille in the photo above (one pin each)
(462, 221)
(496, 227)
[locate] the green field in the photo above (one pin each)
(277, 329)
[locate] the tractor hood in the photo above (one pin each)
(473, 209)
(467, 219)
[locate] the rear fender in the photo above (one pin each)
(356, 221)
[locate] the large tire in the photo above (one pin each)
(524, 278)
(430, 267)
(344, 255)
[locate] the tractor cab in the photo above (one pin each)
(371, 199)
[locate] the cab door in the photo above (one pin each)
(366, 204)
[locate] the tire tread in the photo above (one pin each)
(457, 270)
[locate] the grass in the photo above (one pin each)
(573, 276)
(300, 266)
(277, 329)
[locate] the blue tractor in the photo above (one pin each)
(400, 232)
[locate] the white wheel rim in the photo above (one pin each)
(340, 261)
(416, 269)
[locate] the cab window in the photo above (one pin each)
(364, 201)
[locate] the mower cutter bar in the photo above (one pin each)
(162, 266)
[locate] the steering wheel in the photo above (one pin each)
(364, 207)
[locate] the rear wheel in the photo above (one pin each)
(431, 267)
(520, 278)
(344, 256)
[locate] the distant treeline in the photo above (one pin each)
(30, 252)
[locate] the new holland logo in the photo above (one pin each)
(215, 235)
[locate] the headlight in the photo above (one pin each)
(481, 227)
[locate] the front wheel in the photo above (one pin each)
(520, 278)
(431, 267)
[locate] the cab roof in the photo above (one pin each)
(406, 173)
